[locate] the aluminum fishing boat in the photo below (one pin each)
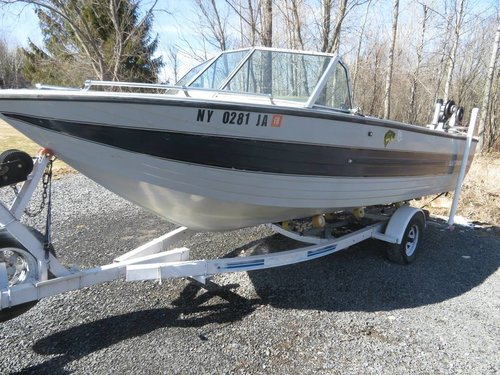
(251, 136)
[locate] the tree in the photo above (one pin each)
(412, 113)
(247, 15)
(10, 67)
(358, 51)
(459, 17)
(335, 40)
(267, 16)
(106, 40)
(330, 43)
(173, 59)
(215, 24)
(390, 64)
(487, 87)
(294, 24)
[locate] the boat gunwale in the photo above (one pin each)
(205, 103)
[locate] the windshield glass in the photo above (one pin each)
(284, 75)
(217, 73)
(192, 73)
(336, 92)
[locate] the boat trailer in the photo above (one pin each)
(30, 271)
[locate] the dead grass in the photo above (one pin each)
(479, 200)
(480, 196)
(10, 138)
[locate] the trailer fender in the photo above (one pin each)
(399, 221)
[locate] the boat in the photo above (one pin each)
(251, 136)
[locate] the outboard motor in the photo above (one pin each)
(15, 166)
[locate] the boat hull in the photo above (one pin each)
(219, 176)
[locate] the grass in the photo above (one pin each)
(480, 196)
(10, 138)
(479, 200)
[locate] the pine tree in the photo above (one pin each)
(90, 39)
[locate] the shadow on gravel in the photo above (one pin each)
(361, 279)
(358, 279)
(193, 309)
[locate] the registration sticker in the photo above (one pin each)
(276, 121)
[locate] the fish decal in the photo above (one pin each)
(389, 137)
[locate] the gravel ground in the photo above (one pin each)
(349, 313)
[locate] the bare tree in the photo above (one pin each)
(412, 113)
(358, 50)
(173, 59)
(295, 23)
(334, 44)
(252, 17)
(487, 87)
(390, 63)
(326, 14)
(248, 16)
(458, 19)
(267, 29)
(330, 42)
(215, 23)
(10, 67)
(494, 127)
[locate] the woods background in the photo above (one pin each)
(402, 54)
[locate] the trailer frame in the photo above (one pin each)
(43, 275)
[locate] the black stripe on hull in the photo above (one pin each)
(254, 155)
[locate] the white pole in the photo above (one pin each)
(463, 167)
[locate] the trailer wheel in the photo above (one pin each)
(19, 263)
(407, 250)
(21, 267)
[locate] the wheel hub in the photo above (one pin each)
(20, 265)
(412, 240)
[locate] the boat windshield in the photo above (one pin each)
(219, 70)
(188, 77)
(282, 74)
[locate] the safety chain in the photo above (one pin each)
(46, 179)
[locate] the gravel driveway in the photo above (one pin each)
(349, 313)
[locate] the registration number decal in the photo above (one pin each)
(209, 116)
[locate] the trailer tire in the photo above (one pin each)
(407, 251)
(7, 240)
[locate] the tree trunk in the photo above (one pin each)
(459, 16)
(487, 86)
(267, 32)
(335, 40)
(326, 9)
(412, 115)
(388, 81)
(267, 41)
(358, 52)
(297, 24)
